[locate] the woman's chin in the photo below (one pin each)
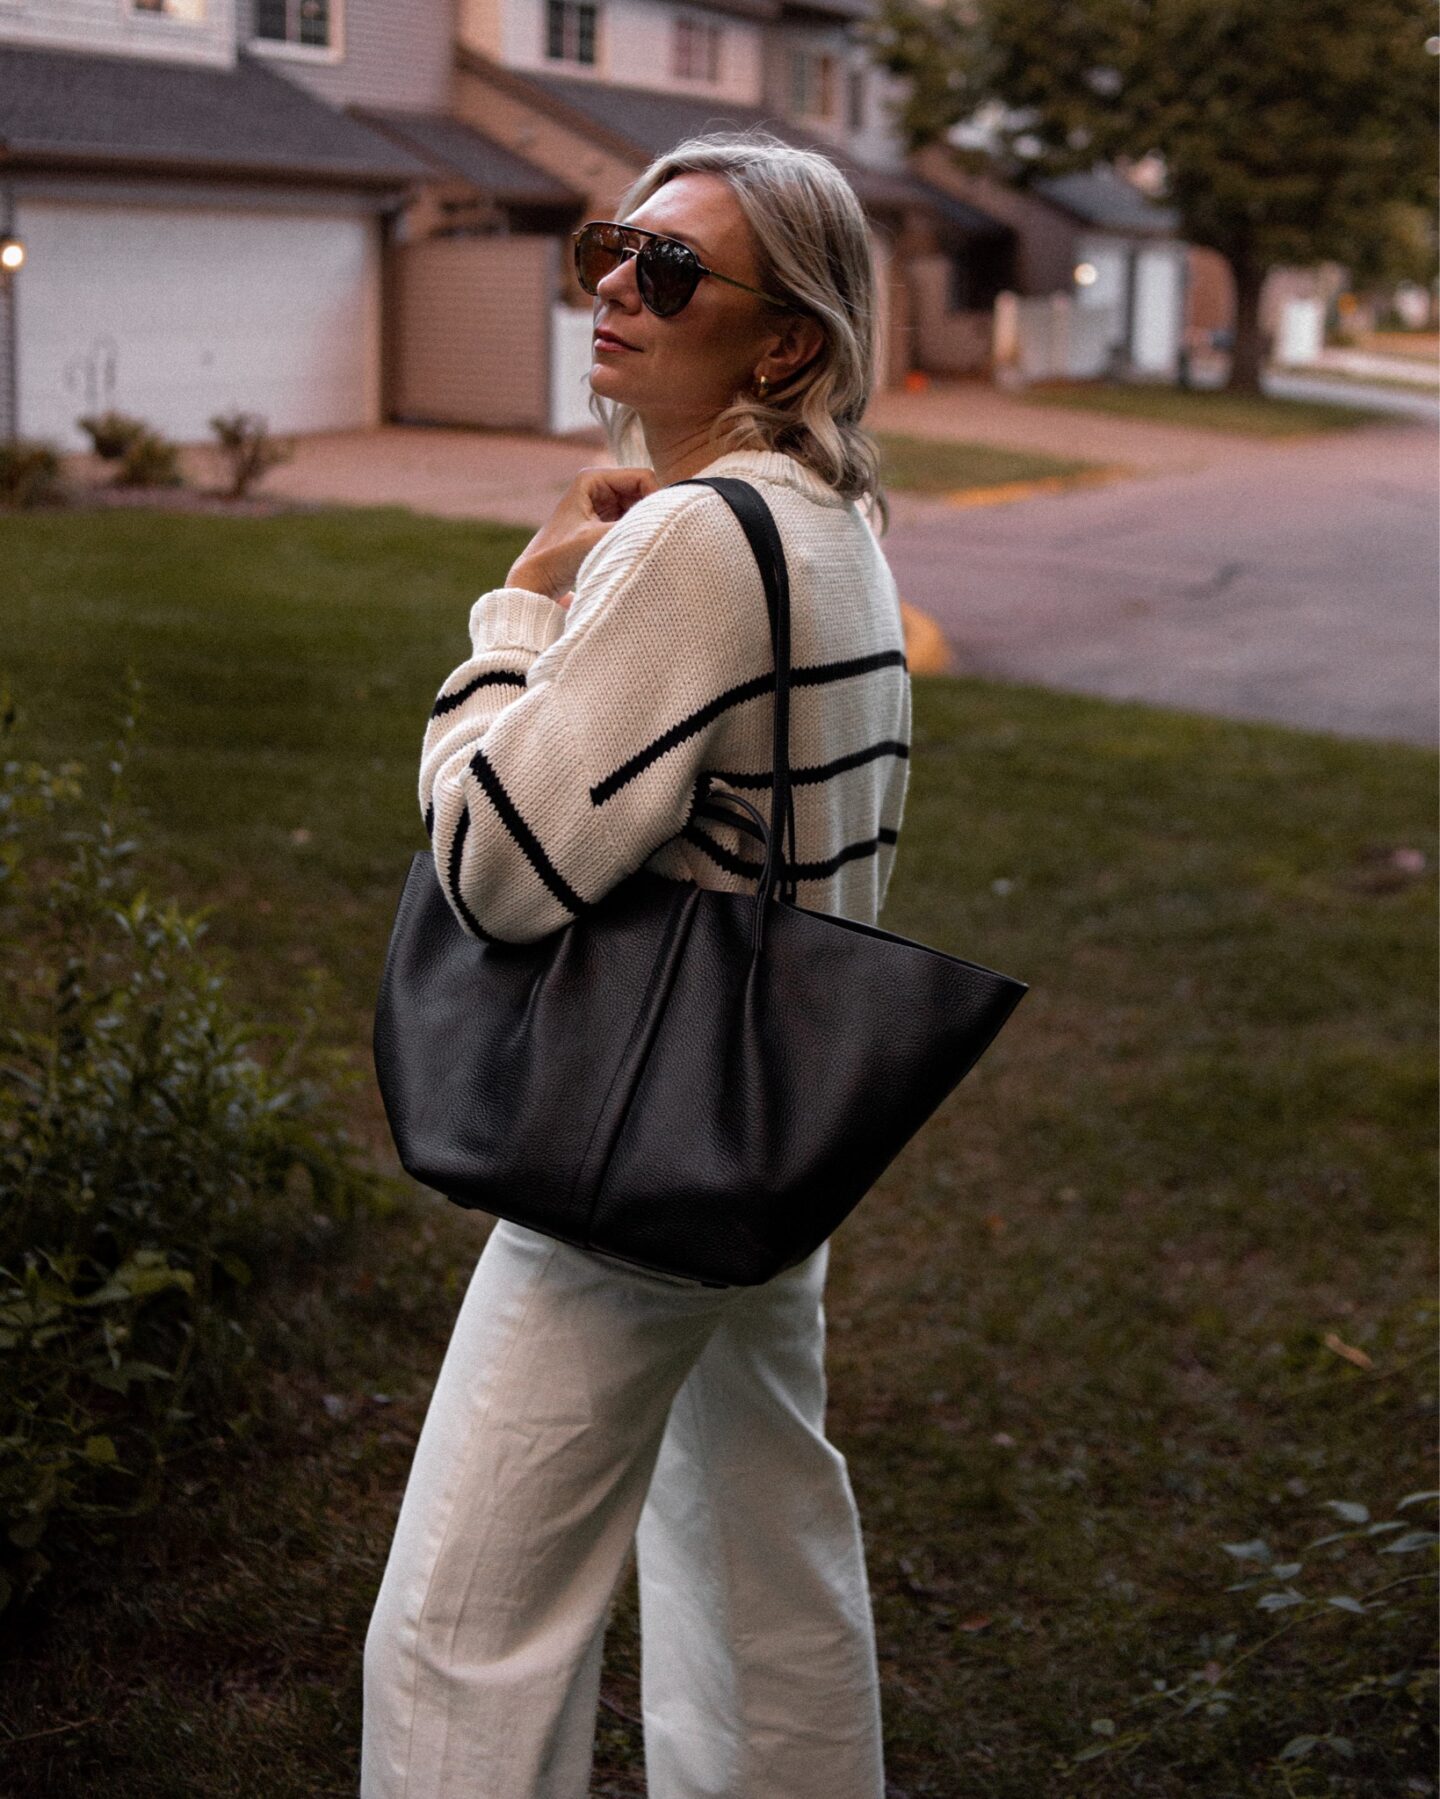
(608, 381)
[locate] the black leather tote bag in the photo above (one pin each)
(699, 1083)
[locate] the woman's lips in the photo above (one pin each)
(605, 340)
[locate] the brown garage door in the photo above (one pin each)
(470, 339)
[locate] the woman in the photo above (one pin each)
(621, 675)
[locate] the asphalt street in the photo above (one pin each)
(1290, 582)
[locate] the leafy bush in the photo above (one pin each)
(248, 448)
(112, 433)
(1375, 1588)
(30, 473)
(150, 460)
(152, 1168)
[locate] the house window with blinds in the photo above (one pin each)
(305, 22)
(855, 99)
(696, 50)
(812, 84)
(570, 31)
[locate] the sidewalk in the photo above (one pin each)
(518, 477)
(515, 478)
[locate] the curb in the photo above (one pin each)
(1005, 491)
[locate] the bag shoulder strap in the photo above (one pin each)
(763, 535)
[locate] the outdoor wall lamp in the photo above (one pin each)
(12, 254)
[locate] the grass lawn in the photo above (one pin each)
(931, 465)
(1400, 384)
(1158, 1277)
(1255, 415)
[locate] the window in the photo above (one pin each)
(191, 11)
(570, 30)
(696, 50)
(812, 84)
(304, 22)
(855, 99)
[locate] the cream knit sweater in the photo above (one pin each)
(577, 744)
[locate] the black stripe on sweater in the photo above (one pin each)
(457, 849)
(529, 843)
(816, 674)
(819, 771)
(799, 871)
(812, 675)
(496, 677)
(687, 727)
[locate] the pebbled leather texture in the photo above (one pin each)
(700, 1082)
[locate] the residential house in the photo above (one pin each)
(1096, 242)
(199, 231)
(589, 91)
(336, 212)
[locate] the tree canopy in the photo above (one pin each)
(1290, 131)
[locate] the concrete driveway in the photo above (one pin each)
(1254, 578)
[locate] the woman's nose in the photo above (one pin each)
(619, 287)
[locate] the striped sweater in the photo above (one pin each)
(578, 744)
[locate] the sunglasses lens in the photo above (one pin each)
(668, 273)
(598, 249)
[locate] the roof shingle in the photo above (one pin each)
(62, 107)
(457, 148)
(655, 122)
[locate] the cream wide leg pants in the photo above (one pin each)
(582, 1406)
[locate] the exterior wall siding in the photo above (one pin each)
(115, 28)
(947, 342)
(816, 40)
(472, 343)
(597, 173)
(634, 46)
(387, 54)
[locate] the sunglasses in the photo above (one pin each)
(667, 272)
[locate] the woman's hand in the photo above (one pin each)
(592, 503)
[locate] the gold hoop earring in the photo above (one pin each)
(762, 385)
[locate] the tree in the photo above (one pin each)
(1290, 131)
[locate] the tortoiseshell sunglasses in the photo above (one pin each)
(667, 271)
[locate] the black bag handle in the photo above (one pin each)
(763, 535)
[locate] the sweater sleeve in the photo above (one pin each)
(571, 744)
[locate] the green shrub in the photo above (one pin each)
(30, 474)
(150, 460)
(1366, 1609)
(112, 433)
(248, 448)
(152, 1169)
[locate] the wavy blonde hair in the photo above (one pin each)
(813, 251)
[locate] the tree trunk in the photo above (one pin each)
(1251, 350)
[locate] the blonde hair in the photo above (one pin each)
(813, 251)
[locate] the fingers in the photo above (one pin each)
(609, 493)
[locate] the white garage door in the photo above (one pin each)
(176, 314)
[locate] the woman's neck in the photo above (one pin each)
(678, 451)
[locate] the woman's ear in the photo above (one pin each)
(797, 345)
